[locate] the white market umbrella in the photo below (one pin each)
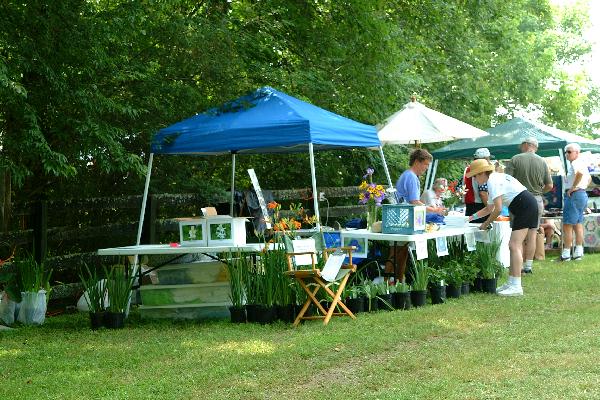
(416, 123)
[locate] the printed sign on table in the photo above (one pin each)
(441, 245)
(421, 248)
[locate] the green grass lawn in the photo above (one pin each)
(545, 345)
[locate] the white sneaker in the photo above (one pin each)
(577, 257)
(503, 287)
(511, 291)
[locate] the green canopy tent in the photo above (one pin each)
(504, 140)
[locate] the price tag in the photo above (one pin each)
(441, 245)
(470, 240)
(421, 248)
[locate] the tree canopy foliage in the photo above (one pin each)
(85, 84)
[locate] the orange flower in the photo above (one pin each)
(272, 205)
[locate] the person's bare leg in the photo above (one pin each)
(578, 234)
(567, 236)
(515, 245)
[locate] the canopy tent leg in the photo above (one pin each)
(232, 184)
(313, 177)
(385, 167)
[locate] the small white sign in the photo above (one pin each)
(421, 248)
(304, 246)
(470, 240)
(260, 197)
(441, 245)
(333, 265)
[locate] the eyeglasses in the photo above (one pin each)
(570, 151)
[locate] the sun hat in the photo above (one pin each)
(531, 140)
(479, 166)
(482, 152)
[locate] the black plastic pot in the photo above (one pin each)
(286, 313)
(96, 320)
(355, 305)
(401, 301)
(438, 294)
(488, 285)
(453, 292)
(266, 314)
(418, 298)
(476, 286)
(464, 289)
(114, 320)
(252, 312)
(238, 314)
(372, 305)
(385, 302)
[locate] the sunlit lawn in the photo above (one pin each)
(545, 345)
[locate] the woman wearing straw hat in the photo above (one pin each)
(504, 190)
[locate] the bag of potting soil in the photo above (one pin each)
(33, 308)
(7, 309)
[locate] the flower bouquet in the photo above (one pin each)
(372, 195)
(453, 195)
(297, 218)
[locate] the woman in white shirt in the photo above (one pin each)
(504, 190)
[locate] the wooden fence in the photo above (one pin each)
(67, 233)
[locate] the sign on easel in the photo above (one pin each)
(261, 199)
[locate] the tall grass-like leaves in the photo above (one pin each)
(485, 254)
(95, 287)
(420, 275)
(238, 266)
(118, 287)
(32, 275)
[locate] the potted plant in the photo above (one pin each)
(119, 281)
(355, 300)
(370, 290)
(401, 295)
(470, 272)
(95, 295)
(437, 285)
(237, 269)
(384, 297)
(454, 278)
(418, 293)
(10, 293)
(35, 287)
(488, 265)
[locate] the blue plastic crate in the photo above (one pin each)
(403, 218)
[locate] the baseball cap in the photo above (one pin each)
(482, 152)
(531, 140)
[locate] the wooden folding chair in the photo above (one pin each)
(309, 278)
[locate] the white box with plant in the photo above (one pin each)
(223, 230)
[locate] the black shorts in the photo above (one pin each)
(524, 209)
(472, 208)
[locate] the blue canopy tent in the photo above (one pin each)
(264, 121)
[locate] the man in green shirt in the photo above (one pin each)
(533, 172)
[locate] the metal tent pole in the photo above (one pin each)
(232, 184)
(313, 177)
(385, 167)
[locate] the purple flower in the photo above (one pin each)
(369, 173)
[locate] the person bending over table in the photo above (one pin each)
(505, 190)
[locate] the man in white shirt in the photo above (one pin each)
(576, 182)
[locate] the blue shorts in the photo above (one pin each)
(574, 207)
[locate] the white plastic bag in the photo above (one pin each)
(33, 308)
(7, 309)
